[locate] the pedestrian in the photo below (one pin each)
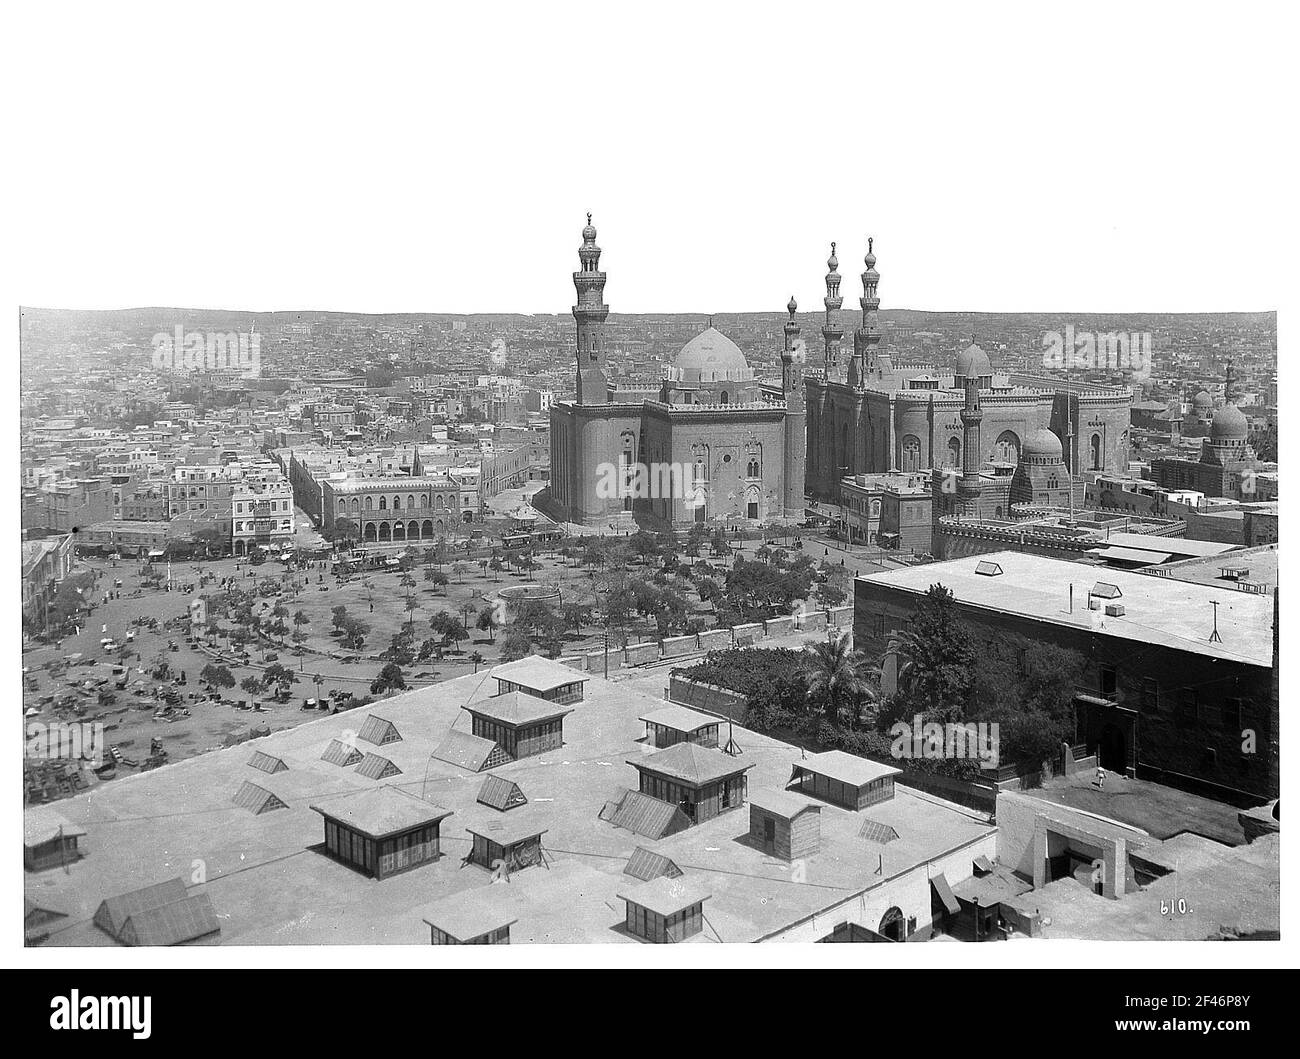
(1101, 778)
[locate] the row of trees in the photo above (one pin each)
(834, 696)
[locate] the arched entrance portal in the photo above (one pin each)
(891, 924)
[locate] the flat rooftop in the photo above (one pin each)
(271, 884)
(1261, 562)
(1174, 613)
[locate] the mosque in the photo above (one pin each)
(876, 414)
(735, 445)
(755, 452)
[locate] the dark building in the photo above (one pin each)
(1178, 678)
(382, 831)
(521, 725)
(702, 782)
(844, 779)
(541, 678)
(665, 910)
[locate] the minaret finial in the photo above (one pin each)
(589, 216)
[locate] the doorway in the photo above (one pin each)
(1112, 753)
(769, 833)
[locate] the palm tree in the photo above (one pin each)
(837, 678)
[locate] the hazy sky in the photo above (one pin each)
(377, 158)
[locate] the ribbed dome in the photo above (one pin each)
(1043, 444)
(1228, 424)
(973, 362)
(1202, 401)
(711, 351)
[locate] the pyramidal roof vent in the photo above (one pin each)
(987, 569)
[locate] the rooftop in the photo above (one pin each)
(679, 718)
(382, 811)
(540, 674)
(272, 885)
(1161, 610)
(666, 895)
(837, 765)
(517, 709)
(692, 763)
(470, 913)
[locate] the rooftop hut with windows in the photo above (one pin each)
(470, 917)
(49, 841)
(520, 724)
(382, 831)
(669, 725)
(844, 779)
(664, 909)
(786, 825)
(702, 782)
(540, 677)
(507, 842)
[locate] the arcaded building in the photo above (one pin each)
(872, 415)
(713, 444)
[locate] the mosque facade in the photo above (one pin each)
(870, 413)
(713, 445)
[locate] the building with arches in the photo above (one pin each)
(713, 444)
(875, 414)
(393, 510)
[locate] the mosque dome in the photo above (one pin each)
(973, 362)
(1042, 444)
(711, 354)
(589, 232)
(1228, 424)
(1202, 402)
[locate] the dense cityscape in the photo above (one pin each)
(719, 628)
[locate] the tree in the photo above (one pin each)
(216, 676)
(487, 623)
(829, 595)
(251, 685)
(836, 680)
(495, 566)
(478, 659)
(339, 616)
(459, 570)
(390, 677)
(515, 645)
(280, 676)
(936, 676)
(436, 578)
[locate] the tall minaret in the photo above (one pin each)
(831, 331)
(867, 337)
(590, 314)
(1230, 385)
(796, 417)
(968, 489)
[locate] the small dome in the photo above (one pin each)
(793, 307)
(832, 262)
(1228, 424)
(973, 362)
(589, 232)
(1043, 444)
(1202, 402)
(711, 352)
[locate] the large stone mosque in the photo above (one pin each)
(741, 441)
(996, 438)
(874, 414)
